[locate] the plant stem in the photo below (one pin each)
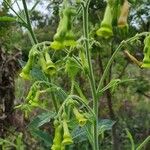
(114, 54)
(53, 98)
(28, 22)
(29, 27)
(85, 7)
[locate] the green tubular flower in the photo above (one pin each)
(62, 147)
(57, 45)
(64, 35)
(36, 98)
(67, 139)
(57, 137)
(27, 68)
(122, 21)
(146, 60)
(50, 67)
(69, 39)
(80, 117)
(25, 73)
(106, 25)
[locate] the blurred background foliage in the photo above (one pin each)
(131, 100)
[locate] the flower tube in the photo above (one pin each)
(25, 73)
(67, 139)
(50, 67)
(64, 35)
(122, 21)
(106, 25)
(80, 117)
(146, 60)
(57, 137)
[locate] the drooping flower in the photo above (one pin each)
(80, 117)
(47, 65)
(57, 137)
(25, 73)
(122, 21)
(67, 139)
(105, 29)
(146, 60)
(64, 35)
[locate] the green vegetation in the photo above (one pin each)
(76, 77)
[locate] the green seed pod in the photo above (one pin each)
(106, 25)
(80, 117)
(146, 60)
(27, 68)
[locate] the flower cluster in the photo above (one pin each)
(64, 35)
(111, 11)
(62, 135)
(42, 58)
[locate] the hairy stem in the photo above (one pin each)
(29, 22)
(85, 7)
(114, 55)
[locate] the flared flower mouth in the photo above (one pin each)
(82, 121)
(57, 45)
(146, 64)
(105, 32)
(69, 43)
(67, 141)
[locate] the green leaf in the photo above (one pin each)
(113, 84)
(7, 19)
(41, 120)
(140, 147)
(72, 67)
(105, 124)
(131, 139)
(42, 136)
(79, 134)
(37, 74)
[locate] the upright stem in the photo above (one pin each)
(85, 7)
(28, 22)
(113, 56)
(29, 27)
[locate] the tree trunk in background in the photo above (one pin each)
(8, 68)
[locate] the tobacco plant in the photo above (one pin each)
(73, 105)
